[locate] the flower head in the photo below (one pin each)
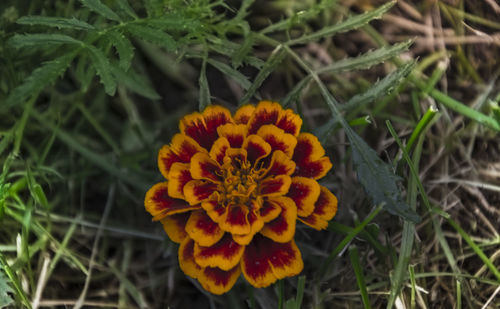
(236, 185)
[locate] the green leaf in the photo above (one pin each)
(103, 69)
(125, 7)
(242, 51)
(58, 22)
(25, 40)
(38, 80)
(98, 7)
(204, 99)
(241, 79)
(5, 299)
(349, 24)
(135, 82)
(152, 35)
(124, 48)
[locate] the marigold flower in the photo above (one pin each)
(235, 187)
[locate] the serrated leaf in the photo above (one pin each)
(204, 99)
(241, 79)
(350, 23)
(242, 51)
(103, 69)
(101, 9)
(135, 82)
(124, 48)
(152, 35)
(58, 22)
(366, 60)
(25, 40)
(125, 7)
(174, 23)
(272, 62)
(39, 79)
(5, 299)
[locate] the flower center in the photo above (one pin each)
(240, 184)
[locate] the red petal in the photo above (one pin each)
(278, 139)
(275, 186)
(266, 261)
(203, 127)
(218, 281)
(159, 204)
(256, 148)
(256, 224)
(225, 254)
(282, 229)
(202, 229)
(266, 112)
(289, 122)
(219, 148)
(243, 114)
(304, 192)
(178, 177)
(308, 155)
(280, 164)
(235, 133)
(214, 209)
(181, 150)
(203, 167)
(175, 226)
(235, 220)
(197, 191)
(325, 209)
(269, 210)
(186, 258)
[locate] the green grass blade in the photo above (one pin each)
(15, 281)
(360, 278)
(57, 22)
(204, 99)
(41, 39)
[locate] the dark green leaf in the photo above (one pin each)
(5, 299)
(39, 79)
(204, 99)
(25, 40)
(152, 35)
(125, 7)
(241, 79)
(124, 48)
(98, 7)
(135, 82)
(58, 22)
(103, 69)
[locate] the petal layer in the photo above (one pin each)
(175, 226)
(159, 204)
(234, 133)
(218, 281)
(244, 113)
(304, 192)
(225, 254)
(266, 261)
(178, 177)
(198, 190)
(186, 258)
(275, 186)
(203, 230)
(282, 229)
(325, 209)
(203, 167)
(278, 139)
(266, 112)
(309, 157)
(181, 150)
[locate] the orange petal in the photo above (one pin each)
(280, 164)
(235, 220)
(214, 209)
(202, 229)
(270, 210)
(225, 254)
(278, 139)
(266, 112)
(266, 261)
(181, 150)
(175, 226)
(308, 155)
(289, 122)
(178, 177)
(203, 167)
(198, 190)
(256, 148)
(235, 133)
(218, 281)
(203, 127)
(256, 224)
(159, 204)
(186, 258)
(218, 150)
(325, 209)
(243, 114)
(282, 229)
(275, 186)
(304, 192)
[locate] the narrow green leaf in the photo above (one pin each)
(242, 51)
(173, 22)
(58, 22)
(5, 299)
(241, 79)
(125, 7)
(152, 35)
(103, 69)
(204, 99)
(38, 80)
(124, 48)
(100, 8)
(135, 82)
(40, 196)
(358, 272)
(301, 283)
(18, 290)
(272, 62)
(349, 24)
(39, 39)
